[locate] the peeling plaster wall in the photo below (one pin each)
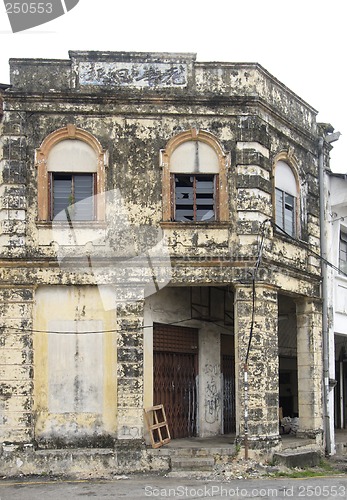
(133, 104)
(16, 364)
(75, 384)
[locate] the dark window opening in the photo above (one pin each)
(72, 196)
(195, 199)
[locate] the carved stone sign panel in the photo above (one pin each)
(132, 74)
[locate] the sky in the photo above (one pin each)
(302, 43)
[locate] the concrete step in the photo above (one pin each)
(192, 464)
(191, 474)
(297, 458)
(195, 451)
(294, 444)
(190, 453)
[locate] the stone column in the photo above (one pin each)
(210, 391)
(130, 313)
(263, 396)
(16, 364)
(309, 347)
(13, 202)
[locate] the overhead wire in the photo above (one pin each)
(254, 278)
(258, 263)
(114, 330)
(254, 275)
(306, 247)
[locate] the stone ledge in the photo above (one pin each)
(302, 459)
(82, 463)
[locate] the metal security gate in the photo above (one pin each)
(229, 423)
(175, 369)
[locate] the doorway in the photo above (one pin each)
(175, 370)
(287, 352)
(341, 378)
(228, 374)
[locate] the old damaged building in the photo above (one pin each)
(159, 229)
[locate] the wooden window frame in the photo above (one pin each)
(221, 187)
(44, 181)
(157, 426)
(215, 196)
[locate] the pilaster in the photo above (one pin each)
(262, 363)
(13, 190)
(16, 364)
(130, 313)
(309, 347)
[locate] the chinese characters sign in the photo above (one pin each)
(133, 74)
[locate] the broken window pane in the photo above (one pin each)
(194, 197)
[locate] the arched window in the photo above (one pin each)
(194, 179)
(286, 198)
(71, 175)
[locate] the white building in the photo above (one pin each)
(336, 232)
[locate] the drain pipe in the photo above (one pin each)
(324, 289)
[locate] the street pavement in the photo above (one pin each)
(162, 487)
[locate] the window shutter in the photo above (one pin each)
(83, 197)
(62, 193)
(75, 193)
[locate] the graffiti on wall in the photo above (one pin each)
(127, 432)
(212, 393)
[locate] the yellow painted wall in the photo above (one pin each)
(75, 383)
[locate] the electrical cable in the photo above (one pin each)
(254, 278)
(258, 262)
(115, 330)
(261, 238)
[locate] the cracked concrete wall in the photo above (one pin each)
(16, 364)
(133, 104)
(259, 406)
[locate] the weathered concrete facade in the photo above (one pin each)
(80, 302)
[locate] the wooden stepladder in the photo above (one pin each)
(157, 425)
